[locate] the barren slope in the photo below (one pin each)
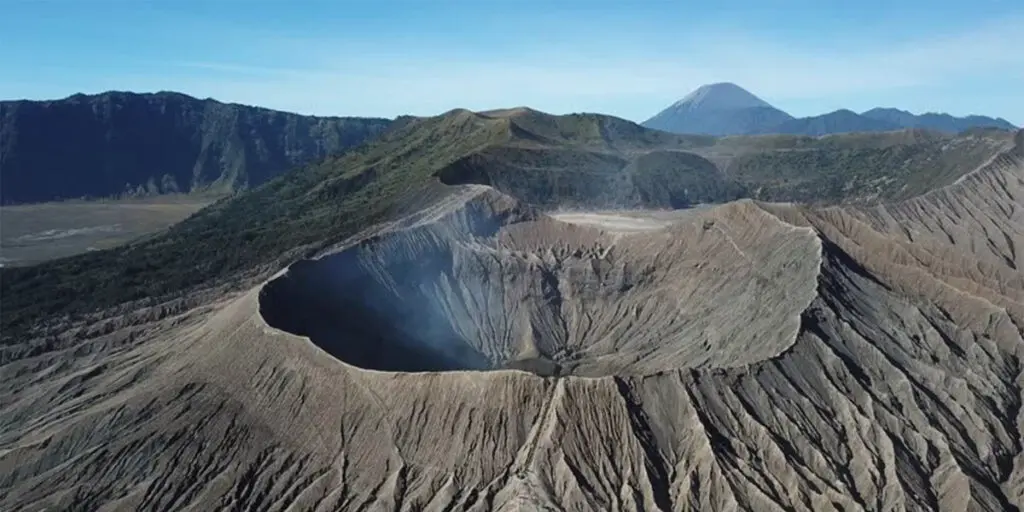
(742, 356)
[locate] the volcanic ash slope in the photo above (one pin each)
(481, 355)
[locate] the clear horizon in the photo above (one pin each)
(423, 58)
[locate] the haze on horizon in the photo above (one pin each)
(414, 57)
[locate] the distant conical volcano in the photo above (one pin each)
(718, 109)
(720, 96)
(728, 109)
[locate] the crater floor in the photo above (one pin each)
(625, 221)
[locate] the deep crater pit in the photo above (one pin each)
(550, 297)
(417, 305)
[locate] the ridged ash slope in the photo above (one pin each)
(896, 386)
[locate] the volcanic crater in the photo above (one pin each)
(484, 283)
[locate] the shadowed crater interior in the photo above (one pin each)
(593, 295)
(411, 315)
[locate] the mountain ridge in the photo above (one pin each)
(728, 109)
(839, 121)
(121, 143)
(937, 120)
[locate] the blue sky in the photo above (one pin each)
(626, 58)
